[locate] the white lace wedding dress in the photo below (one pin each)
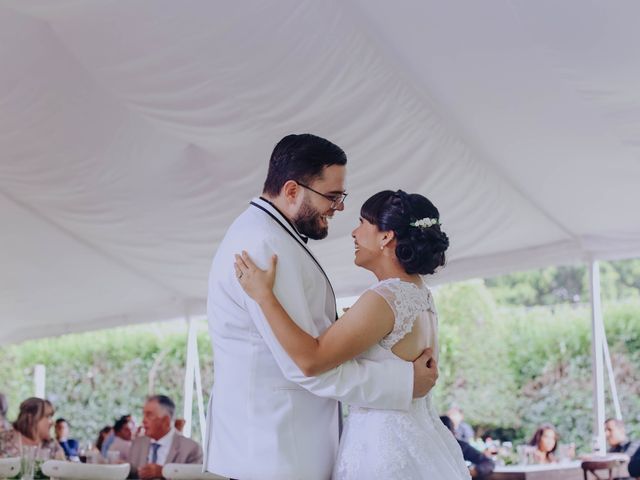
(389, 444)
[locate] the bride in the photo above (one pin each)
(399, 239)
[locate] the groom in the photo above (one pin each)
(266, 420)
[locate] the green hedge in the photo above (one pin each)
(516, 368)
(93, 378)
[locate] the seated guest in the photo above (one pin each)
(10, 445)
(617, 438)
(161, 444)
(122, 431)
(634, 464)
(462, 430)
(179, 425)
(69, 445)
(130, 427)
(546, 441)
(4, 407)
(618, 442)
(481, 465)
(103, 434)
(33, 426)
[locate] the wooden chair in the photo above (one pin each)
(594, 465)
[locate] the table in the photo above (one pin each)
(556, 471)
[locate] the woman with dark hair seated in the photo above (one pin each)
(33, 427)
(546, 442)
(102, 436)
(399, 239)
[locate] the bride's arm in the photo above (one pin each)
(361, 327)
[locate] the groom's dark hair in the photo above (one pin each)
(301, 158)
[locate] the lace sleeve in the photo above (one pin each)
(407, 301)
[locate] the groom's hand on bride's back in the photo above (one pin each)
(425, 373)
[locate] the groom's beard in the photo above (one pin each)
(309, 222)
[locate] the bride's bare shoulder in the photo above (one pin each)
(373, 306)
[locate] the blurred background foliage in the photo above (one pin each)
(515, 352)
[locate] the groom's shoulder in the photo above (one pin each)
(253, 231)
(256, 226)
(251, 226)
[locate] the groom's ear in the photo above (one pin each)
(290, 191)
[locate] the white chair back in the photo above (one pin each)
(61, 470)
(9, 467)
(182, 471)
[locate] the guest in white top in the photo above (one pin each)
(122, 437)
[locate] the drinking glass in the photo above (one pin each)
(28, 461)
(43, 454)
(113, 457)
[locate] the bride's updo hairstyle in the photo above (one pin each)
(414, 220)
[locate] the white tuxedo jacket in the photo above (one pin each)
(266, 420)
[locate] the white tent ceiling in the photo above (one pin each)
(131, 133)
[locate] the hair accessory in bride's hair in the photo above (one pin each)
(425, 222)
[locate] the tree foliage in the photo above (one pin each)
(567, 284)
(93, 378)
(513, 368)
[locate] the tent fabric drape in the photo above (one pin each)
(131, 134)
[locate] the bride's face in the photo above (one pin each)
(368, 239)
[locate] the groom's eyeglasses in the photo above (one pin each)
(335, 199)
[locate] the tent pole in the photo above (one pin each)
(196, 369)
(597, 331)
(188, 376)
(612, 378)
(39, 376)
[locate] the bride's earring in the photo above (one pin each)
(381, 247)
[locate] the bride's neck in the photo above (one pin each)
(387, 269)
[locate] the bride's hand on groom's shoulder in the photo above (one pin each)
(256, 282)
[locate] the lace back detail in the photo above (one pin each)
(407, 301)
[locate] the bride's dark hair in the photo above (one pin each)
(420, 249)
